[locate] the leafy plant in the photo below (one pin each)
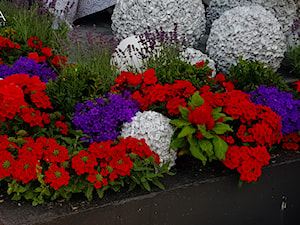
(250, 75)
(198, 130)
(179, 70)
(77, 83)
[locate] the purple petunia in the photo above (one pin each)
(30, 67)
(282, 103)
(101, 118)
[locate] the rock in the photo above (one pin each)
(251, 32)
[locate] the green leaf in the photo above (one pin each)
(179, 123)
(16, 197)
(195, 149)
(178, 143)
(204, 132)
(100, 191)
(132, 186)
(188, 130)
(184, 112)
(196, 100)
(146, 185)
(89, 192)
(157, 183)
(206, 146)
(68, 140)
(220, 147)
(221, 128)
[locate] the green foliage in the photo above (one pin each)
(78, 83)
(250, 75)
(294, 59)
(186, 137)
(168, 70)
(146, 172)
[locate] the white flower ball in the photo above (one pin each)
(251, 32)
(157, 132)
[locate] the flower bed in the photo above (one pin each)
(70, 131)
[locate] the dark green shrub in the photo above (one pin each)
(251, 74)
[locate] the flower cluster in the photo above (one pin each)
(24, 163)
(41, 54)
(291, 141)
(29, 66)
(255, 126)
(13, 92)
(157, 132)
(101, 118)
(104, 162)
(148, 92)
(282, 103)
(7, 44)
(247, 160)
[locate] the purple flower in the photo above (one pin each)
(30, 67)
(282, 103)
(102, 118)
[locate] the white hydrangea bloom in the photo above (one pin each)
(157, 132)
(251, 32)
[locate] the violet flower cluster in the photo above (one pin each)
(102, 118)
(282, 103)
(30, 67)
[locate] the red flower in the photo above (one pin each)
(59, 61)
(297, 84)
(34, 42)
(25, 169)
(84, 162)
(46, 51)
(56, 153)
(173, 105)
(149, 76)
(6, 164)
(41, 100)
(64, 127)
(202, 115)
(134, 80)
(56, 176)
(198, 64)
(220, 78)
(229, 86)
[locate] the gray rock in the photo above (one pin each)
(251, 32)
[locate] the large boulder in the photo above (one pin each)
(251, 32)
